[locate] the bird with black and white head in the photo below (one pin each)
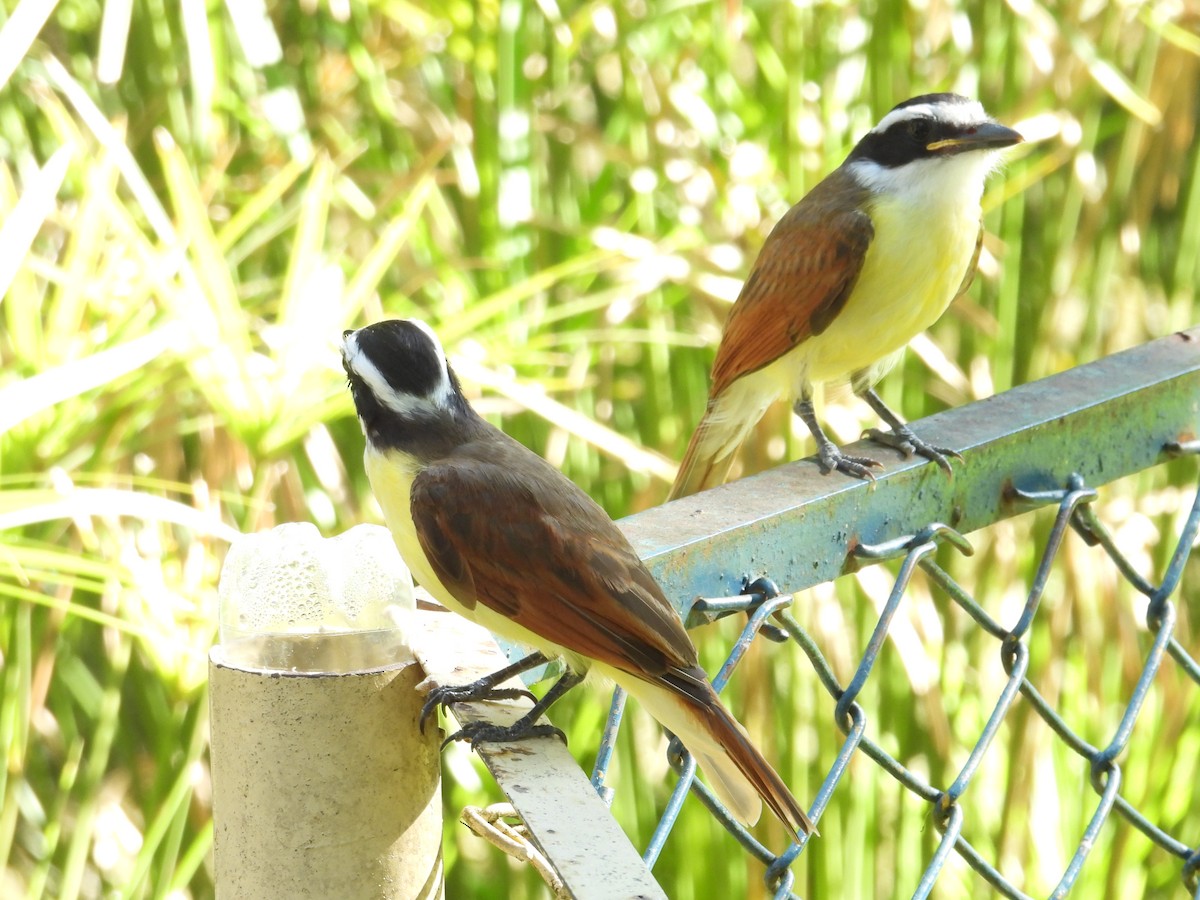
(500, 536)
(868, 259)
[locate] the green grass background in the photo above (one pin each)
(196, 198)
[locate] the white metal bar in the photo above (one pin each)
(566, 817)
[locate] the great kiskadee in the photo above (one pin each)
(498, 535)
(868, 259)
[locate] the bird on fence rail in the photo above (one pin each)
(500, 536)
(868, 259)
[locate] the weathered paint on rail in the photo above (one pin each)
(566, 817)
(1102, 421)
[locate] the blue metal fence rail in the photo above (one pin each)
(1049, 443)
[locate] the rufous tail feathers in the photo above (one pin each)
(701, 467)
(733, 767)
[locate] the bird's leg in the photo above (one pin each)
(901, 437)
(483, 689)
(478, 732)
(827, 451)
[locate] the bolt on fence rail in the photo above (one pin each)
(1050, 443)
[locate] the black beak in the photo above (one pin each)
(988, 136)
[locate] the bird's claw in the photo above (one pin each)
(904, 440)
(831, 458)
(476, 691)
(475, 733)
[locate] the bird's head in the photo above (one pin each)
(935, 143)
(399, 378)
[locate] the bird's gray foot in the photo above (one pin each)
(484, 689)
(476, 691)
(475, 733)
(903, 439)
(831, 458)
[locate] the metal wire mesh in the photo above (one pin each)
(764, 603)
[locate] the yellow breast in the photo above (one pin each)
(914, 267)
(391, 474)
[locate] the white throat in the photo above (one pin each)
(929, 184)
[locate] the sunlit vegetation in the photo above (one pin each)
(195, 199)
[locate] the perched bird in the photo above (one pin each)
(500, 536)
(871, 257)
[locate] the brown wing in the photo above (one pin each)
(502, 527)
(800, 281)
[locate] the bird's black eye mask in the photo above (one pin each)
(910, 140)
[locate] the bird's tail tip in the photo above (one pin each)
(739, 773)
(701, 467)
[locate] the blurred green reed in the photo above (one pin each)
(196, 198)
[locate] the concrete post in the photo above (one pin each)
(323, 785)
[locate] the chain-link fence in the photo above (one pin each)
(1051, 445)
(1119, 411)
(762, 600)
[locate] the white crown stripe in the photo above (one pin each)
(961, 114)
(444, 393)
(406, 405)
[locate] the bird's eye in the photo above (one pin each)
(920, 129)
